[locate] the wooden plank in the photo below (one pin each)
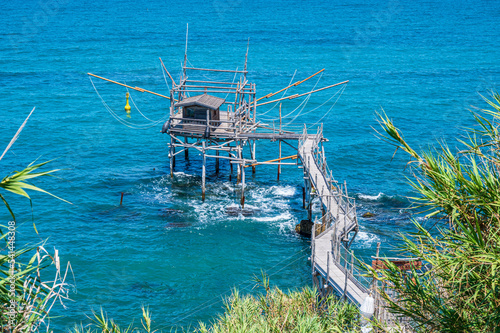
(135, 88)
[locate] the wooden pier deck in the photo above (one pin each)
(339, 219)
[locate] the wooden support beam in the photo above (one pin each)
(307, 93)
(186, 150)
(279, 166)
(170, 76)
(217, 162)
(171, 157)
(243, 186)
(253, 156)
(293, 157)
(292, 85)
(135, 88)
(215, 70)
(203, 173)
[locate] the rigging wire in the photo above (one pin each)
(131, 99)
(341, 92)
(284, 93)
(123, 121)
(306, 100)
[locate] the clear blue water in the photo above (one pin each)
(424, 63)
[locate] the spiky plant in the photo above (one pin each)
(26, 298)
(460, 292)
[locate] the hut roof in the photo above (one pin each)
(204, 100)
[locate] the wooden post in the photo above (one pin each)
(171, 157)
(230, 164)
(313, 236)
(203, 171)
(253, 152)
(327, 268)
(238, 177)
(217, 162)
(186, 150)
(279, 143)
(243, 186)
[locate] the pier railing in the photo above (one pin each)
(335, 201)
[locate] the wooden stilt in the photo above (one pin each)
(171, 156)
(279, 143)
(238, 178)
(253, 156)
(279, 165)
(203, 171)
(217, 162)
(243, 186)
(230, 164)
(186, 151)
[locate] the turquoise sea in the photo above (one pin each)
(425, 63)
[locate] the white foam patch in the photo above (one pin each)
(365, 240)
(263, 204)
(371, 197)
(284, 191)
(182, 174)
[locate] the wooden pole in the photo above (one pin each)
(171, 157)
(303, 197)
(307, 93)
(293, 157)
(186, 150)
(292, 85)
(238, 177)
(170, 76)
(243, 187)
(217, 162)
(253, 156)
(121, 199)
(230, 164)
(135, 88)
(203, 170)
(279, 143)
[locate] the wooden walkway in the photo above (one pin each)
(330, 259)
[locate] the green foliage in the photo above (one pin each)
(20, 277)
(101, 324)
(460, 188)
(276, 311)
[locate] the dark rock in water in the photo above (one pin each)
(235, 211)
(304, 228)
(177, 225)
(368, 215)
(170, 212)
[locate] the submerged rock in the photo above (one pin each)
(170, 211)
(368, 215)
(178, 225)
(235, 211)
(304, 228)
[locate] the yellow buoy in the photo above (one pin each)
(127, 106)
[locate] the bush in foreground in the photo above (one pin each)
(461, 188)
(276, 311)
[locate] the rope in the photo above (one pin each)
(122, 121)
(342, 91)
(305, 100)
(284, 93)
(130, 95)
